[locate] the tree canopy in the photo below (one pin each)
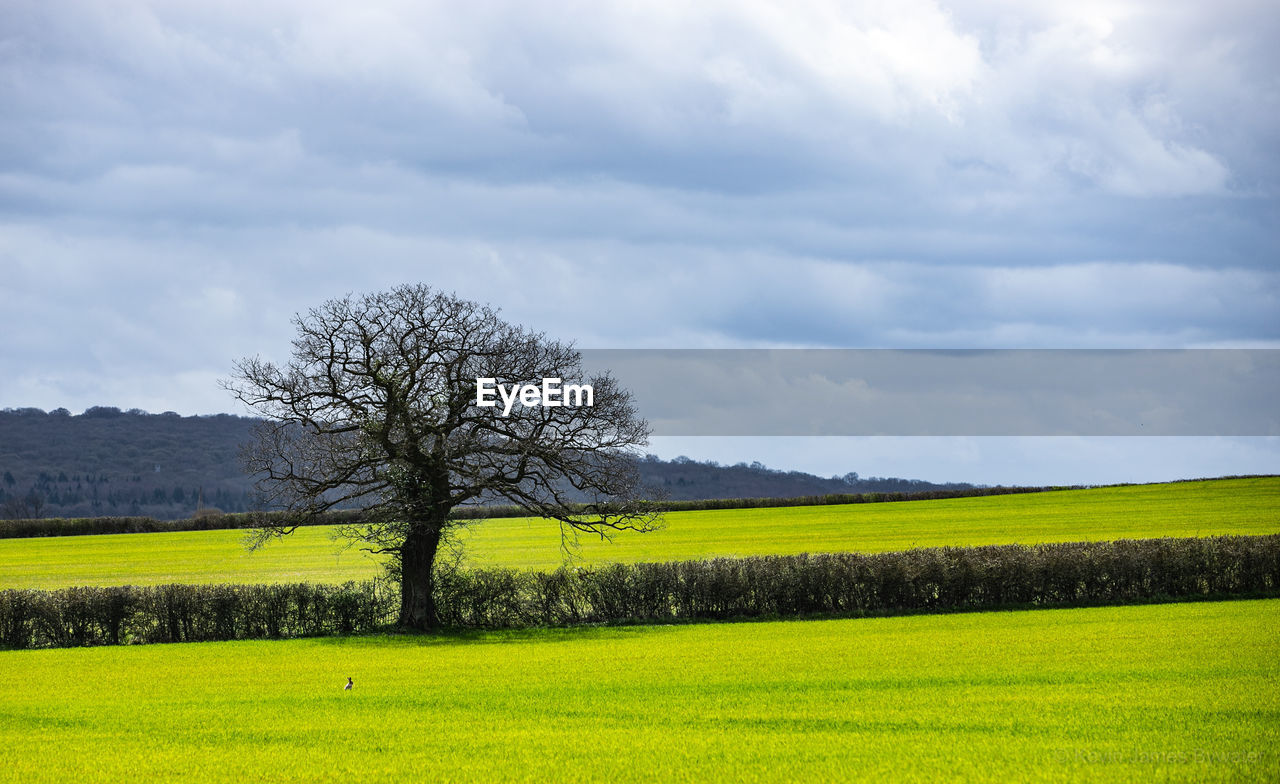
(377, 406)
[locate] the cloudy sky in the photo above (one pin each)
(178, 178)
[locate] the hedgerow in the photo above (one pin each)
(837, 584)
(81, 526)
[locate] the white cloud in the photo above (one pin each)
(1092, 95)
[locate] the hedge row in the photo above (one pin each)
(847, 584)
(850, 584)
(81, 526)
(84, 526)
(191, 613)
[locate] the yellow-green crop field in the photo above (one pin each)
(1182, 692)
(1231, 506)
(1177, 692)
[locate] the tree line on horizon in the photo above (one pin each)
(108, 462)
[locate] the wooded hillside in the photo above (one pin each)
(107, 462)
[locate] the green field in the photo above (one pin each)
(1164, 692)
(1230, 506)
(1183, 692)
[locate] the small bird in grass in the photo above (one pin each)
(348, 686)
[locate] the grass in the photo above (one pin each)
(1182, 692)
(1229, 506)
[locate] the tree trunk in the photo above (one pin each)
(417, 578)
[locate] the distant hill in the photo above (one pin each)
(112, 462)
(683, 479)
(107, 462)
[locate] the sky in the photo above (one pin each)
(177, 179)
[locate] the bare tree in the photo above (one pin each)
(377, 408)
(28, 507)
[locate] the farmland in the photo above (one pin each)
(1175, 691)
(1231, 506)
(1187, 692)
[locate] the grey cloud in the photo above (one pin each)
(648, 95)
(735, 174)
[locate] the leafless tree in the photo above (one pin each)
(376, 408)
(28, 507)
